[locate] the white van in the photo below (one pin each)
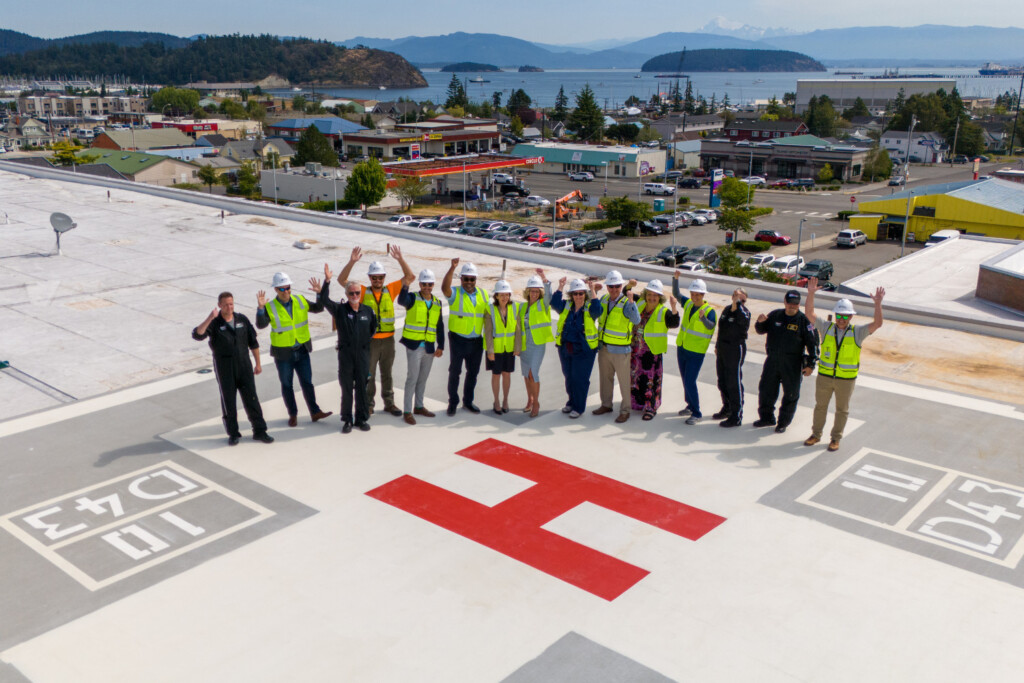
(942, 236)
(658, 188)
(502, 178)
(787, 264)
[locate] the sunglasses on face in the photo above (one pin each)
(614, 286)
(354, 292)
(577, 293)
(469, 279)
(376, 277)
(284, 289)
(842, 317)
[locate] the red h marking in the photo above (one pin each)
(512, 527)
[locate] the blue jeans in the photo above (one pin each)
(297, 363)
(577, 368)
(689, 368)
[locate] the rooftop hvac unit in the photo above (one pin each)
(312, 167)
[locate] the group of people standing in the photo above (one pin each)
(623, 331)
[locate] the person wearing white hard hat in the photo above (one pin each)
(650, 342)
(535, 321)
(503, 341)
(423, 339)
(576, 339)
(381, 299)
(615, 334)
(467, 306)
(730, 352)
(695, 331)
(290, 343)
(839, 362)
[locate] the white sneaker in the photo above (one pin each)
(566, 409)
(574, 414)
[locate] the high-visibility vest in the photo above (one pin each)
(655, 331)
(695, 335)
(504, 331)
(288, 330)
(463, 317)
(384, 310)
(589, 327)
(537, 320)
(616, 329)
(421, 322)
(845, 363)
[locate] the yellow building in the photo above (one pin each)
(989, 207)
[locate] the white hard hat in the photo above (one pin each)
(468, 270)
(502, 287)
(844, 307)
(426, 276)
(282, 280)
(656, 287)
(534, 281)
(577, 285)
(698, 287)
(376, 268)
(613, 278)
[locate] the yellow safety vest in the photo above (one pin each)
(589, 327)
(421, 322)
(695, 335)
(288, 330)
(655, 331)
(537, 319)
(503, 331)
(385, 310)
(846, 363)
(464, 318)
(616, 329)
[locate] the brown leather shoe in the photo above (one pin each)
(622, 417)
(423, 411)
(811, 440)
(394, 410)
(293, 420)
(603, 410)
(833, 445)
(409, 419)
(319, 416)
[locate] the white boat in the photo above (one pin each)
(383, 87)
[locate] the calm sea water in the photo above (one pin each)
(613, 86)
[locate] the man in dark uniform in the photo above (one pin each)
(730, 352)
(356, 325)
(231, 337)
(792, 348)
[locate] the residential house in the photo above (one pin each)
(258, 150)
(142, 138)
(995, 132)
(215, 140)
(29, 132)
(141, 167)
(925, 147)
(758, 130)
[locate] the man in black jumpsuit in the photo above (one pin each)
(231, 337)
(356, 324)
(730, 352)
(792, 349)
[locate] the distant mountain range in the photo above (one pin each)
(13, 42)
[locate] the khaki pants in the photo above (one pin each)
(825, 388)
(611, 367)
(382, 352)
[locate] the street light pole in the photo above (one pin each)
(750, 172)
(800, 239)
(463, 191)
(906, 220)
(335, 174)
(675, 210)
(906, 162)
(605, 164)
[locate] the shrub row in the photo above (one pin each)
(751, 245)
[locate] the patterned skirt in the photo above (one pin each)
(646, 373)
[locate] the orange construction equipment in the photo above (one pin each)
(563, 211)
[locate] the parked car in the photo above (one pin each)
(773, 237)
(694, 218)
(787, 264)
(709, 215)
(646, 258)
(671, 176)
(510, 189)
(960, 159)
(758, 260)
(851, 238)
(802, 182)
(458, 195)
(673, 255)
(755, 180)
(652, 228)
(585, 176)
(429, 225)
(819, 268)
(523, 232)
(692, 267)
(490, 226)
(914, 159)
(690, 183)
(942, 236)
(356, 213)
(590, 241)
(668, 220)
(897, 180)
(537, 200)
(502, 178)
(781, 182)
(658, 188)
(705, 253)
(982, 158)
(470, 230)
(400, 219)
(563, 244)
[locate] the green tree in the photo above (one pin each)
(367, 185)
(410, 188)
(456, 94)
(789, 99)
(518, 101)
(730, 263)
(825, 175)
(627, 212)
(299, 103)
(247, 180)
(689, 102)
(496, 100)
(515, 126)
(272, 160)
(735, 220)
(561, 111)
(820, 116)
(65, 153)
(256, 112)
(631, 101)
(622, 132)
(208, 174)
(315, 108)
(647, 134)
(367, 121)
(233, 110)
(587, 118)
(314, 146)
(859, 108)
(733, 192)
(177, 101)
(485, 110)
(877, 164)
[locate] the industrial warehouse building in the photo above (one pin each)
(877, 93)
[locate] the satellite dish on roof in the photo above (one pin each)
(61, 223)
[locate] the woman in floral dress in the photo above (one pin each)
(650, 341)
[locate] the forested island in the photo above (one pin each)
(732, 60)
(462, 67)
(221, 59)
(530, 70)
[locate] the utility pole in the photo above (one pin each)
(906, 162)
(1016, 114)
(956, 132)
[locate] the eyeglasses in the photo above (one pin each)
(614, 286)
(577, 293)
(354, 292)
(842, 317)
(284, 289)
(469, 279)
(376, 277)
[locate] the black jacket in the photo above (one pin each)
(229, 340)
(789, 337)
(733, 326)
(355, 328)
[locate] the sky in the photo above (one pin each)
(568, 22)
